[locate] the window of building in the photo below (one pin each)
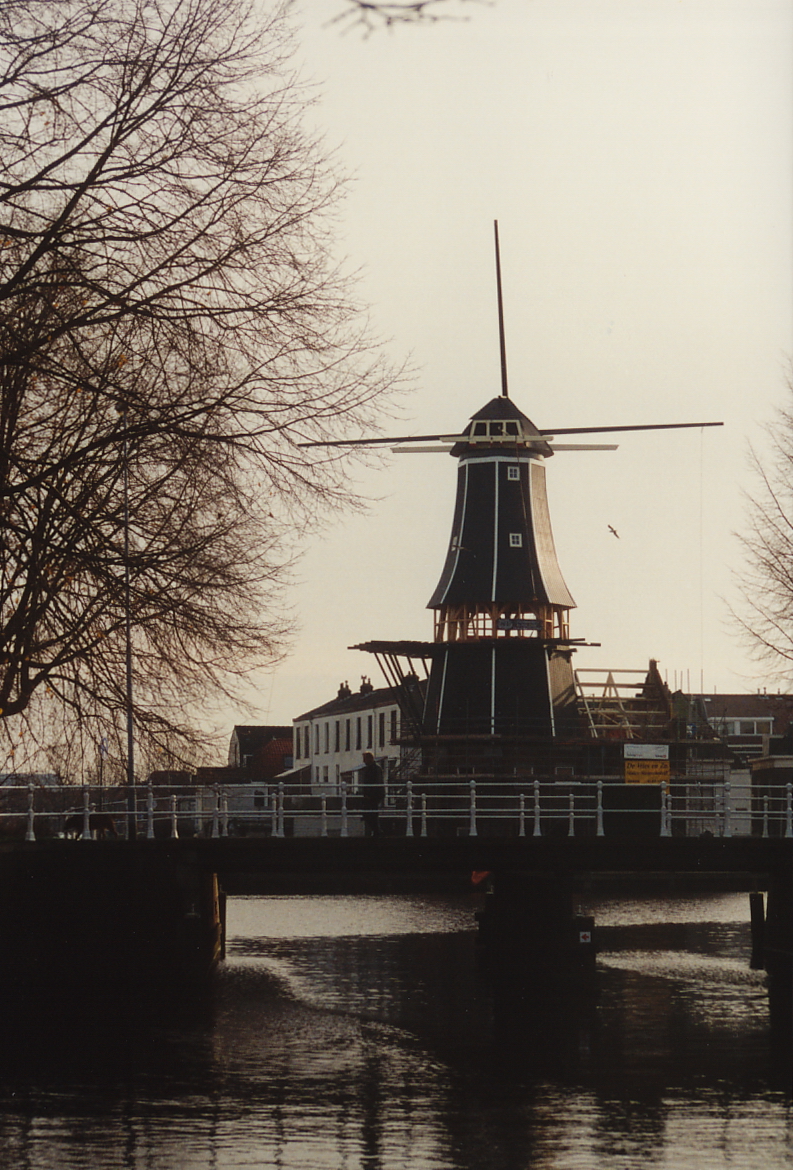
(327, 738)
(369, 723)
(247, 761)
(316, 738)
(307, 741)
(748, 727)
(338, 736)
(346, 735)
(516, 540)
(324, 773)
(381, 729)
(513, 473)
(297, 743)
(358, 733)
(393, 725)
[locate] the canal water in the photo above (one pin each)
(361, 1033)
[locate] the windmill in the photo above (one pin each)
(500, 663)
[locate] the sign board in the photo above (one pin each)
(646, 751)
(646, 771)
(646, 763)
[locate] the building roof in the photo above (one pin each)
(776, 707)
(349, 704)
(251, 737)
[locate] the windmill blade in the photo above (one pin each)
(544, 433)
(387, 439)
(584, 446)
(422, 450)
(640, 427)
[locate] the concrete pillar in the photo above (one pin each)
(778, 951)
(529, 930)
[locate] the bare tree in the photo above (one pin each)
(766, 616)
(171, 327)
(368, 15)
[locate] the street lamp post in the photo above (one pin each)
(132, 830)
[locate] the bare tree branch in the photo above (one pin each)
(369, 15)
(765, 617)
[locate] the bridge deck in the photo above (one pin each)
(320, 858)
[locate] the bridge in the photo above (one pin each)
(152, 900)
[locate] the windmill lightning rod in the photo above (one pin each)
(501, 338)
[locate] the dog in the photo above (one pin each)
(101, 825)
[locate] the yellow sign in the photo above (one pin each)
(647, 771)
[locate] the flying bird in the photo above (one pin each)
(614, 530)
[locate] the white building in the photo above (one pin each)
(330, 740)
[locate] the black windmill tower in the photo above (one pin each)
(499, 674)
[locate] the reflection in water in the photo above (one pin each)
(362, 1033)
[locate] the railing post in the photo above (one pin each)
(537, 829)
(472, 809)
(600, 832)
(215, 812)
(522, 816)
(571, 815)
(344, 808)
(789, 810)
(198, 819)
(765, 816)
(224, 814)
(409, 808)
(280, 831)
(664, 812)
(323, 831)
(727, 809)
(149, 812)
(424, 814)
(87, 834)
(174, 819)
(30, 835)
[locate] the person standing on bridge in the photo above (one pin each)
(372, 795)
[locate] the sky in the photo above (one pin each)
(638, 155)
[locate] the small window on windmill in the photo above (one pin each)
(513, 472)
(511, 428)
(480, 428)
(516, 540)
(496, 428)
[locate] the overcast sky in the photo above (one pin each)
(637, 154)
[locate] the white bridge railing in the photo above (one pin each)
(486, 806)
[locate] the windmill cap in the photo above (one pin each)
(498, 423)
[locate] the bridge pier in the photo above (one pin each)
(88, 923)
(757, 919)
(529, 930)
(778, 950)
